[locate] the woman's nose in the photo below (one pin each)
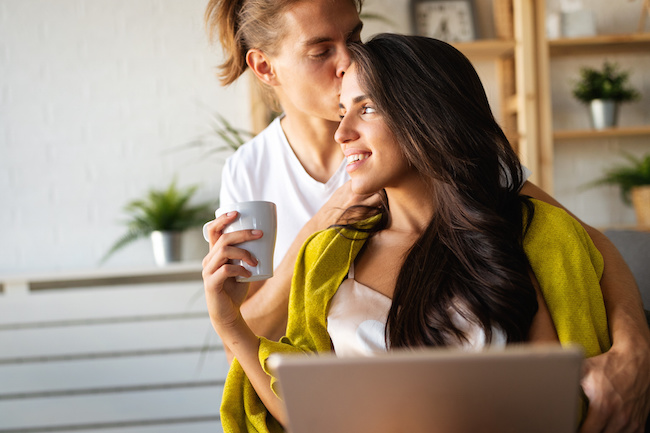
(345, 132)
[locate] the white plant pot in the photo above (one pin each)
(604, 113)
(166, 247)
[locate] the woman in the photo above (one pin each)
(297, 51)
(441, 261)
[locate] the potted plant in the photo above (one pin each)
(603, 90)
(634, 181)
(163, 215)
(221, 137)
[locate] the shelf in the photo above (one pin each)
(23, 283)
(486, 48)
(628, 131)
(603, 44)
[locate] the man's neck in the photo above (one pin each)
(312, 141)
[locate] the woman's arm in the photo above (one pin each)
(265, 309)
(542, 329)
(224, 296)
(618, 381)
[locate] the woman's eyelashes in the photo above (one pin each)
(365, 109)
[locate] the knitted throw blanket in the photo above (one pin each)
(564, 259)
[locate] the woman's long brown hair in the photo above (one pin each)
(470, 257)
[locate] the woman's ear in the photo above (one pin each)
(261, 66)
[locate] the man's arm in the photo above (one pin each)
(617, 382)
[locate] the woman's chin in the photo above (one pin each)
(360, 188)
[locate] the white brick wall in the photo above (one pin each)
(94, 94)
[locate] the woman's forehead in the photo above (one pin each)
(351, 91)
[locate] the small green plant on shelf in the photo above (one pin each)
(634, 174)
(608, 83)
(167, 210)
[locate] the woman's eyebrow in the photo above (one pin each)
(359, 98)
(355, 100)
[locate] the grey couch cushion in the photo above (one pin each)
(634, 246)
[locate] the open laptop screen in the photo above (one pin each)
(520, 389)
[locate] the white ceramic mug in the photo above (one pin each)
(253, 215)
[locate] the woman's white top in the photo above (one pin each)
(357, 316)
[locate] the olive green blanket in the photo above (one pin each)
(561, 254)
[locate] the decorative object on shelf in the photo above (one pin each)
(166, 246)
(603, 90)
(447, 20)
(634, 181)
(553, 25)
(578, 23)
(163, 215)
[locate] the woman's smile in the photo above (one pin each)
(355, 158)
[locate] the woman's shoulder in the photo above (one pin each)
(549, 215)
(554, 229)
(337, 240)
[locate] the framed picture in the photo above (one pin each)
(447, 20)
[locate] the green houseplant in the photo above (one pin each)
(633, 179)
(163, 215)
(221, 137)
(603, 90)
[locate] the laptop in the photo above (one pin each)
(518, 389)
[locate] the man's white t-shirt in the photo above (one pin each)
(266, 168)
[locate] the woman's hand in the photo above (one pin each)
(223, 294)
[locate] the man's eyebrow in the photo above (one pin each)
(317, 40)
(320, 39)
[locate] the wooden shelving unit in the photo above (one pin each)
(487, 48)
(514, 54)
(546, 51)
(602, 44)
(632, 131)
